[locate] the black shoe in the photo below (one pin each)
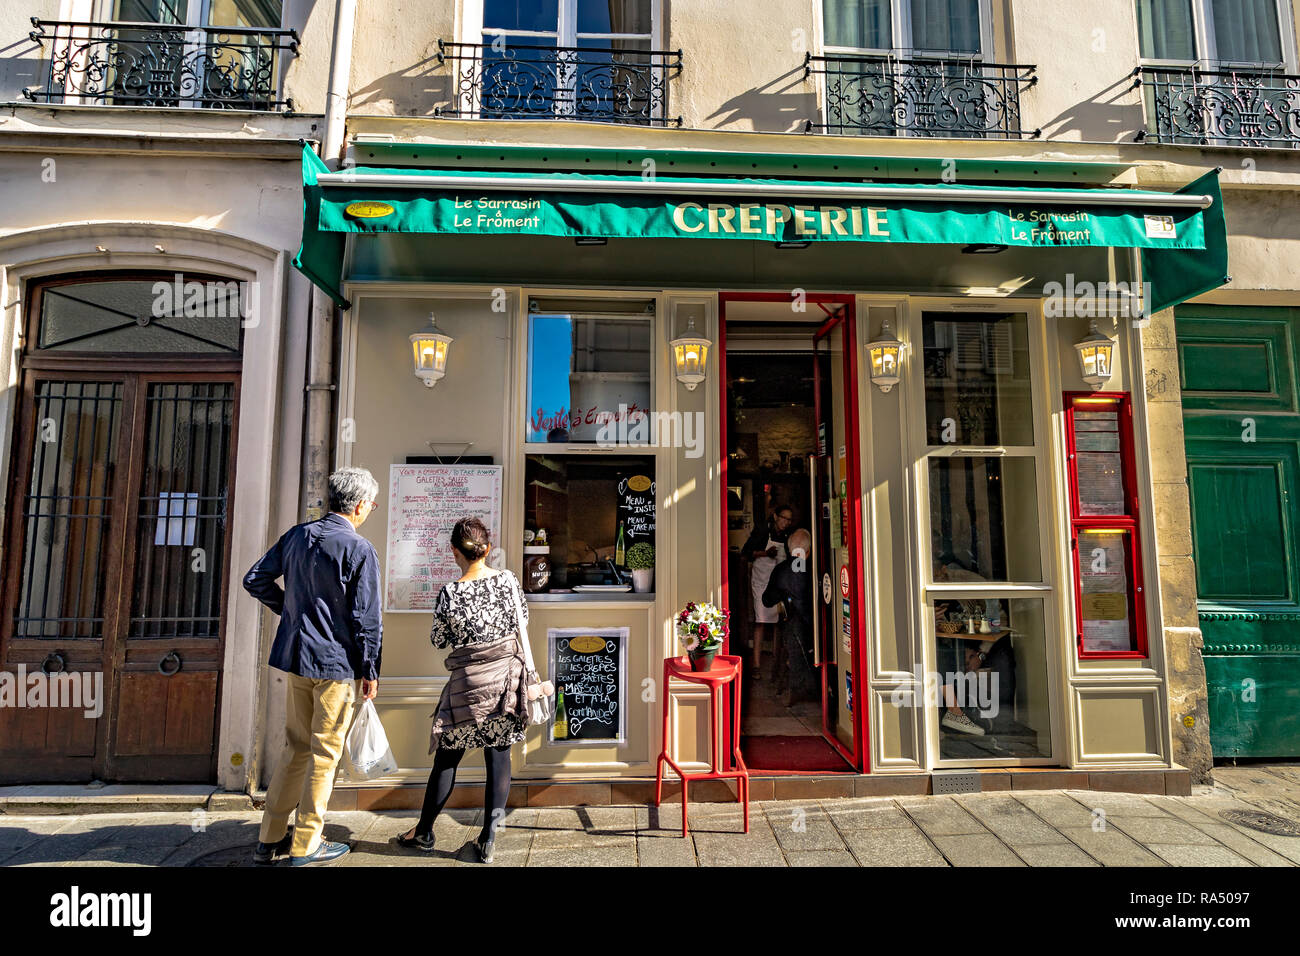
(266, 853)
(325, 853)
(485, 848)
(415, 842)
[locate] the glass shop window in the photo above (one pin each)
(985, 515)
(984, 519)
(992, 692)
(977, 383)
(589, 375)
(589, 519)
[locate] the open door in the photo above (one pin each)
(837, 540)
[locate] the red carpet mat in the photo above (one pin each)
(792, 755)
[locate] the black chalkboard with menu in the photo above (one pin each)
(590, 665)
(636, 508)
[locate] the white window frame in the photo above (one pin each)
(900, 23)
(198, 12)
(1206, 51)
(470, 30)
(197, 15)
(1043, 453)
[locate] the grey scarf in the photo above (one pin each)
(487, 680)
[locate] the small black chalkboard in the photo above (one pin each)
(591, 667)
(636, 508)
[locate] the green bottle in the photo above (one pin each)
(620, 552)
(561, 731)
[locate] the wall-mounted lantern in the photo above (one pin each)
(429, 353)
(885, 354)
(1095, 351)
(691, 357)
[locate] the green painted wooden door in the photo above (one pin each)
(1241, 414)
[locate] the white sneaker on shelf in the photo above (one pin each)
(961, 724)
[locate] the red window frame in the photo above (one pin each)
(1125, 522)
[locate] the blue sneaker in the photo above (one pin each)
(325, 853)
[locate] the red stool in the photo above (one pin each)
(726, 670)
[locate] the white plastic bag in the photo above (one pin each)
(367, 754)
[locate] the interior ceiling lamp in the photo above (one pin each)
(429, 352)
(691, 356)
(885, 353)
(1095, 351)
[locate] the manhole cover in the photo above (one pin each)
(230, 856)
(1265, 822)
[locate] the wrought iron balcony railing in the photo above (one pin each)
(156, 64)
(1220, 107)
(958, 97)
(603, 84)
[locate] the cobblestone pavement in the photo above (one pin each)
(1043, 828)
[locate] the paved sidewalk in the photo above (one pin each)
(1044, 828)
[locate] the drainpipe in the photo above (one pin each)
(318, 456)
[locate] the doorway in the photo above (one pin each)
(790, 516)
(116, 547)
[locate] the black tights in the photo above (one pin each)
(443, 777)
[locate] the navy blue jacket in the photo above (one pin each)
(330, 611)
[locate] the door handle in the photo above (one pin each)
(163, 666)
(52, 658)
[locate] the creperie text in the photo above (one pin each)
(758, 219)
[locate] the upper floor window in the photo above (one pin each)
(916, 68)
(918, 26)
(560, 59)
(175, 53)
(1218, 72)
(622, 24)
(1245, 32)
(256, 14)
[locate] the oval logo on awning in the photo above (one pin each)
(587, 644)
(368, 209)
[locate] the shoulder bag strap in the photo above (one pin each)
(522, 632)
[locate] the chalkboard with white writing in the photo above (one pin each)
(590, 665)
(636, 509)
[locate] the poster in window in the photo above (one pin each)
(1099, 464)
(1107, 609)
(424, 504)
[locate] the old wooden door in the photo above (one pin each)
(1241, 414)
(116, 543)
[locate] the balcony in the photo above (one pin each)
(598, 84)
(949, 97)
(154, 64)
(1220, 107)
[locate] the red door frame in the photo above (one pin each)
(860, 758)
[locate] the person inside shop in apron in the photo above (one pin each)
(765, 548)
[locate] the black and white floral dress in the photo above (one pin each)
(481, 611)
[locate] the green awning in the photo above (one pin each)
(372, 200)
(1177, 275)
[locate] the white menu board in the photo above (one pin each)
(424, 504)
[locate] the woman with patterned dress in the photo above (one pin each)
(484, 703)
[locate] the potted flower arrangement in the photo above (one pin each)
(641, 562)
(701, 629)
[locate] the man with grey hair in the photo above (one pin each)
(328, 639)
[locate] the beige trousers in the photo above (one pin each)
(318, 715)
